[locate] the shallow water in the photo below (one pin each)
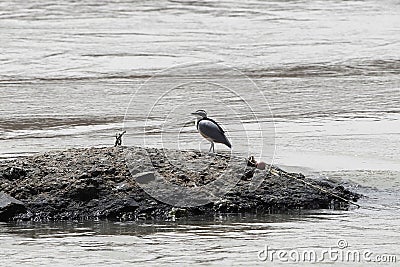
(329, 71)
(223, 240)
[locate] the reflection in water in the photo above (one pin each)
(220, 240)
(143, 228)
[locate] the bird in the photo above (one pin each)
(210, 129)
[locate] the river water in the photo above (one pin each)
(313, 86)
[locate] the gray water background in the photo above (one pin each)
(330, 74)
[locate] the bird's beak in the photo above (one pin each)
(194, 113)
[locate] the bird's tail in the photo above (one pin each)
(227, 143)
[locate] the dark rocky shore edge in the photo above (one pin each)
(96, 184)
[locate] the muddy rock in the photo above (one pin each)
(106, 183)
(13, 173)
(10, 207)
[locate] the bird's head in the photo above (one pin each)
(200, 113)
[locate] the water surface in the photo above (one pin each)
(330, 74)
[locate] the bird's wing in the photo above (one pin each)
(210, 129)
(213, 121)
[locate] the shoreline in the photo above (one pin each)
(97, 184)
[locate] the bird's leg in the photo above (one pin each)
(211, 147)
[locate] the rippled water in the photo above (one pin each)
(329, 71)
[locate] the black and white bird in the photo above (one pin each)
(210, 129)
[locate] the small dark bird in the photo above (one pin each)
(210, 129)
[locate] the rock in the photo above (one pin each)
(144, 178)
(119, 208)
(84, 192)
(83, 176)
(97, 183)
(111, 170)
(177, 213)
(95, 173)
(10, 207)
(13, 173)
(261, 165)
